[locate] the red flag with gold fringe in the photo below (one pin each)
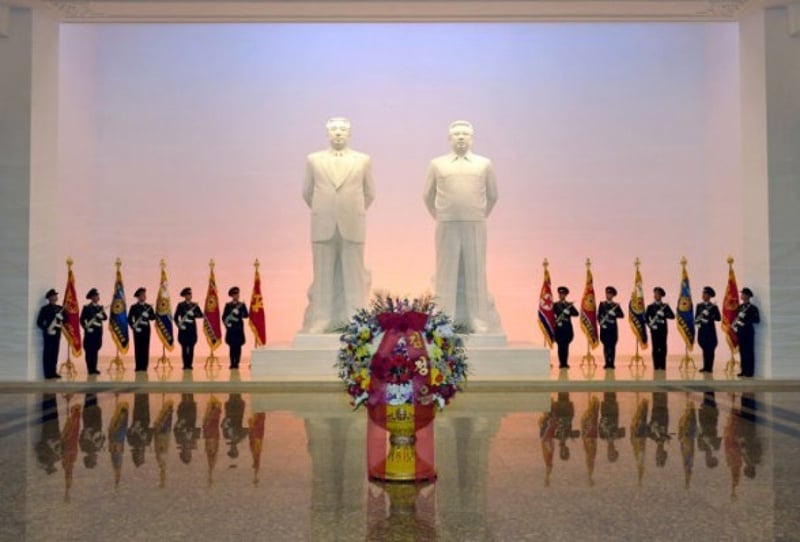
(258, 322)
(212, 323)
(730, 308)
(588, 313)
(72, 324)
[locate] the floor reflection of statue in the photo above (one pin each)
(564, 410)
(92, 438)
(610, 430)
(48, 449)
(460, 193)
(211, 434)
(186, 431)
(708, 439)
(140, 435)
(233, 430)
(658, 429)
(687, 431)
(338, 188)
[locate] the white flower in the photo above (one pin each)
(398, 394)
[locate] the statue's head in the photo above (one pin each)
(461, 133)
(338, 132)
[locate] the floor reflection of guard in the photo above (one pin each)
(50, 321)
(232, 316)
(657, 314)
(233, 430)
(92, 439)
(610, 430)
(658, 429)
(607, 314)
(564, 410)
(186, 315)
(140, 434)
(92, 317)
(187, 433)
(564, 311)
(705, 315)
(140, 315)
(708, 439)
(48, 449)
(748, 434)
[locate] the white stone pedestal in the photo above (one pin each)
(312, 358)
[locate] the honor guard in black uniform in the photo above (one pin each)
(657, 314)
(140, 315)
(746, 315)
(564, 311)
(232, 317)
(607, 314)
(705, 315)
(186, 315)
(186, 431)
(609, 429)
(92, 317)
(50, 321)
(92, 437)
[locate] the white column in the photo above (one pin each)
(770, 86)
(28, 153)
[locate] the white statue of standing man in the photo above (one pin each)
(460, 192)
(338, 188)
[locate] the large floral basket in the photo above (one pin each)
(403, 360)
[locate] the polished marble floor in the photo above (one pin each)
(659, 464)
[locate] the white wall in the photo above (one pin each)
(609, 141)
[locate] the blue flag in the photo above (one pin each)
(118, 321)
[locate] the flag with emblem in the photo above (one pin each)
(684, 316)
(72, 323)
(730, 307)
(636, 310)
(258, 322)
(212, 322)
(588, 313)
(547, 318)
(118, 321)
(164, 311)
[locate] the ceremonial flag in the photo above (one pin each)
(730, 307)
(72, 321)
(164, 311)
(685, 314)
(636, 315)
(118, 321)
(258, 323)
(547, 318)
(588, 313)
(212, 322)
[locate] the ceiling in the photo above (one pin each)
(396, 10)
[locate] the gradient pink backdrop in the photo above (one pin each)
(610, 141)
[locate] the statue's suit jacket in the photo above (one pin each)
(338, 198)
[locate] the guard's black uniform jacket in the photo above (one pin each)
(92, 318)
(657, 314)
(564, 312)
(186, 315)
(139, 317)
(607, 314)
(50, 321)
(232, 317)
(747, 315)
(705, 315)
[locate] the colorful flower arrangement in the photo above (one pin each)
(401, 352)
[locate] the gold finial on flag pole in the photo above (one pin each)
(684, 261)
(588, 263)
(637, 262)
(211, 263)
(163, 264)
(730, 262)
(117, 263)
(256, 264)
(69, 262)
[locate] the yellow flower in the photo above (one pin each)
(365, 384)
(434, 373)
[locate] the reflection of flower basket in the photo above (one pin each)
(400, 443)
